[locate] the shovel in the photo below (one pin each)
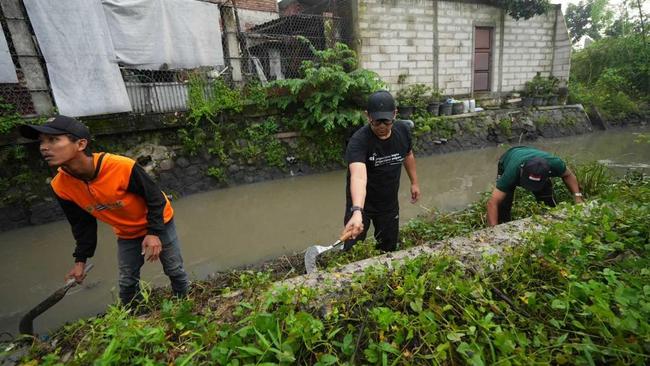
(26, 325)
(315, 250)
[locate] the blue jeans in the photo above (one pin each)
(130, 260)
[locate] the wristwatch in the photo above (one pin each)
(578, 194)
(356, 208)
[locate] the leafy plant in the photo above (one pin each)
(440, 127)
(207, 98)
(331, 93)
(217, 173)
(505, 125)
(416, 95)
(541, 86)
(573, 292)
(261, 142)
(525, 9)
(613, 75)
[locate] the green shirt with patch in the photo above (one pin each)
(511, 162)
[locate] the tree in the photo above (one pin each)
(589, 18)
(631, 20)
(524, 8)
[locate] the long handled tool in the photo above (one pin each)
(26, 325)
(315, 250)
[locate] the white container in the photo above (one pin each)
(472, 105)
(465, 106)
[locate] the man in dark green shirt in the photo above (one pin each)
(531, 169)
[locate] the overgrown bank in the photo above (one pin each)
(575, 293)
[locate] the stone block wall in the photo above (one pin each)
(479, 130)
(397, 40)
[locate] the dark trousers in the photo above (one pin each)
(544, 195)
(386, 229)
(130, 259)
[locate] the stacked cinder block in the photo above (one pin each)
(432, 42)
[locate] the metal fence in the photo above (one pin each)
(32, 94)
(265, 52)
(162, 91)
(274, 50)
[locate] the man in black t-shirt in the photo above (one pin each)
(375, 155)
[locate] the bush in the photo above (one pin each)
(331, 94)
(613, 75)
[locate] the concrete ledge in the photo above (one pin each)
(471, 249)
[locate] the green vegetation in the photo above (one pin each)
(262, 144)
(505, 125)
(207, 99)
(9, 118)
(541, 87)
(331, 93)
(217, 173)
(418, 96)
(613, 75)
(321, 105)
(574, 293)
(525, 9)
(20, 182)
(440, 127)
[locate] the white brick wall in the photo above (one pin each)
(562, 62)
(404, 31)
(397, 39)
(456, 22)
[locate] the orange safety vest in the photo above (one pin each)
(106, 196)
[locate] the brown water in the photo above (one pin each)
(243, 225)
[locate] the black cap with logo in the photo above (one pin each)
(58, 125)
(381, 105)
(534, 174)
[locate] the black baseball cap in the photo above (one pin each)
(534, 174)
(58, 125)
(381, 105)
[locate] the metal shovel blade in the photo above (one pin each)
(26, 325)
(314, 251)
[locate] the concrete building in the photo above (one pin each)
(462, 47)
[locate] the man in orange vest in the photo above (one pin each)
(117, 191)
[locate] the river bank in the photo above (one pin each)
(253, 154)
(546, 299)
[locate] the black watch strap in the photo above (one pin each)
(356, 208)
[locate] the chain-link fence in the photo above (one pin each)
(31, 95)
(269, 51)
(274, 50)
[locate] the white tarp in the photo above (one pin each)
(75, 41)
(173, 34)
(7, 68)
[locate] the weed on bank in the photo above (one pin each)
(578, 292)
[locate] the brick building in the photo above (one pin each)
(462, 47)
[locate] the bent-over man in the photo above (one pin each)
(531, 169)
